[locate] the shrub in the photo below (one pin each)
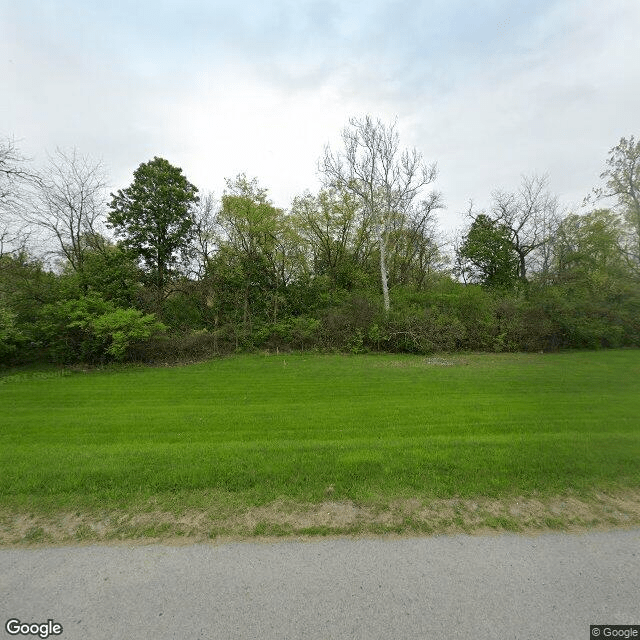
(10, 336)
(345, 326)
(91, 329)
(121, 329)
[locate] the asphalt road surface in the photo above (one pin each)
(503, 586)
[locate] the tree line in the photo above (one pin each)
(161, 271)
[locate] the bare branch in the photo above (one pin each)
(387, 180)
(68, 203)
(529, 215)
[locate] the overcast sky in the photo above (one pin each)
(490, 89)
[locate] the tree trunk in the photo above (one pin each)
(523, 267)
(245, 315)
(383, 269)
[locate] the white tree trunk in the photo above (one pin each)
(383, 268)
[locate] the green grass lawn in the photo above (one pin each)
(300, 427)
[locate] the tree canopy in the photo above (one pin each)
(154, 216)
(622, 178)
(181, 277)
(488, 255)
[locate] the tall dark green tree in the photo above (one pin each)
(155, 218)
(487, 254)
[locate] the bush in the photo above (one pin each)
(423, 330)
(10, 336)
(194, 345)
(346, 326)
(299, 332)
(90, 329)
(121, 329)
(589, 318)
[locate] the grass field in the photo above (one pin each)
(267, 444)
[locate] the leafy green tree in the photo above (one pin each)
(63, 327)
(25, 287)
(107, 269)
(487, 254)
(112, 272)
(336, 237)
(595, 296)
(623, 183)
(257, 246)
(154, 217)
(590, 246)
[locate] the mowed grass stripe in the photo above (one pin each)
(367, 427)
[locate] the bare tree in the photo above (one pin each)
(530, 216)
(14, 237)
(15, 179)
(13, 172)
(385, 178)
(69, 203)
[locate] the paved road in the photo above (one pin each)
(507, 586)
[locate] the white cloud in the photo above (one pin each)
(557, 108)
(489, 92)
(235, 123)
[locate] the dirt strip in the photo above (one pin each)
(285, 518)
